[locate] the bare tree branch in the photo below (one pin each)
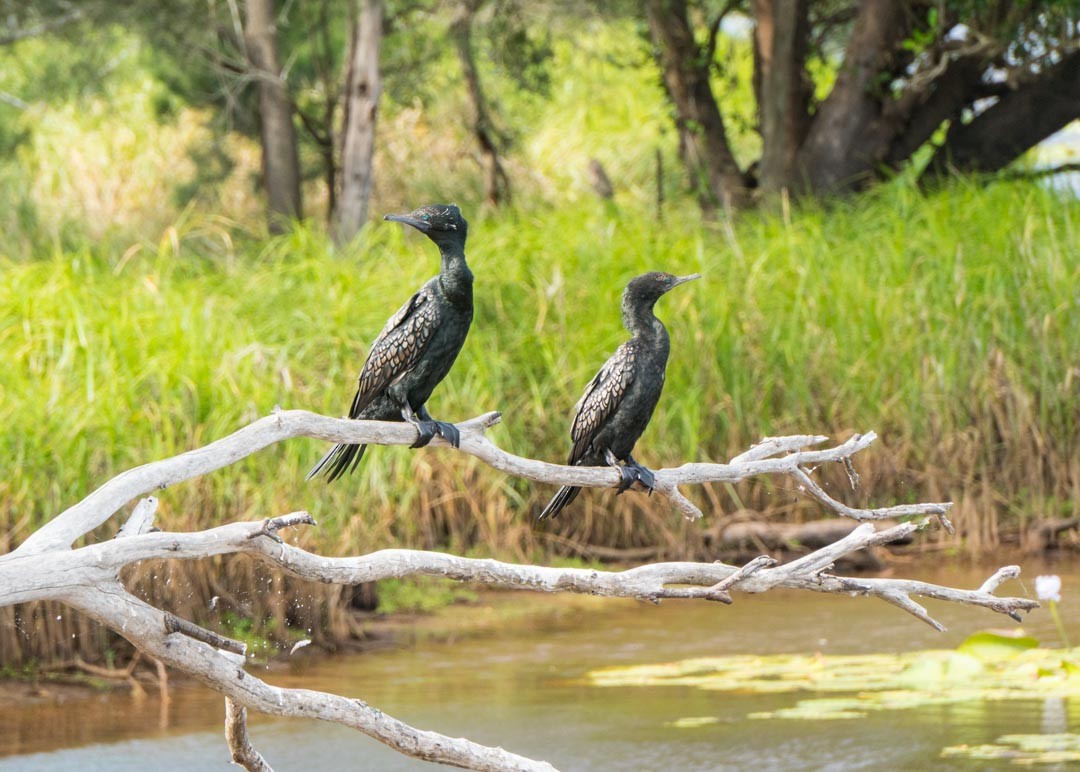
(99, 506)
(142, 624)
(46, 566)
(14, 101)
(236, 734)
(21, 576)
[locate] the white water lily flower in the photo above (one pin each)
(1048, 587)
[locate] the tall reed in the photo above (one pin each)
(948, 323)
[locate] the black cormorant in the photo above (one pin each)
(418, 345)
(619, 401)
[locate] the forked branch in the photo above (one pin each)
(46, 566)
(772, 456)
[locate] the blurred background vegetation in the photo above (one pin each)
(150, 304)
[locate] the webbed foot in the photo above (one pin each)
(428, 430)
(643, 476)
(627, 480)
(448, 432)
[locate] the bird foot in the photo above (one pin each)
(628, 478)
(632, 473)
(428, 430)
(645, 477)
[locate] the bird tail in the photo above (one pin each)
(566, 494)
(340, 460)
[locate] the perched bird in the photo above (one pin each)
(619, 400)
(418, 345)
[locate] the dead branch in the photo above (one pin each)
(763, 459)
(236, 734)
(46, 566)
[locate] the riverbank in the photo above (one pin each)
(486, 613)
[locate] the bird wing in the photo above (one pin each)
(397, 348)
(601, 398)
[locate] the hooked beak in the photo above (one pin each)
(684, 279)
(408, 219)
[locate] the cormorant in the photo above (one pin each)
(619, 400)
(418, 345)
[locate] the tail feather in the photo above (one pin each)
(566, 494)
(341, 460)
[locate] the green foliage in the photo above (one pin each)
(920, 317)
(420, 595)
(945, 322)
(242, 628)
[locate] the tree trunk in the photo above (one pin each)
(849, 138)
(496, 183)
(362, 91)
(1018, 121)
(702, 136)
(920, 112)
(780, 39)
(280, 162)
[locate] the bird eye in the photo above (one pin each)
(425, 217)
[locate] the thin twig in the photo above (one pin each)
(174, 624)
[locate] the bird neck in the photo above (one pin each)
(455, 277)
(640, 320)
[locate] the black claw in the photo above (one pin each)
(645, 477)
(449, 432)
(427, 430)
(628, 478)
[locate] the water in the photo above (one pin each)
(520, 688)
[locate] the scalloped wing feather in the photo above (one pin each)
(601, 398)
(397, 348)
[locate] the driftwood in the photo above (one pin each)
(1042, 535)
(46, 566)
(743, 540)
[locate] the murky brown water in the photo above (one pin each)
(519, 688)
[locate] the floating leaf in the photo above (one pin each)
(993, 645)
(690, 722)
(1024, 749)
(869, 682)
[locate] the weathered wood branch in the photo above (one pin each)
(46, 566)
(101, 563)
(236, 734)
(763, 459)
(143, 625)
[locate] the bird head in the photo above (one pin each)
(442, 223)
(648, 287)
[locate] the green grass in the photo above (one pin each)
(947, 323)
(142, 314)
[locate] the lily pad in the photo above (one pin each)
(1022, 749)
(995, 645)
(691, 722)
(851, 686)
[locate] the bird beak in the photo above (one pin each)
(408, 219)
(684, 279)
